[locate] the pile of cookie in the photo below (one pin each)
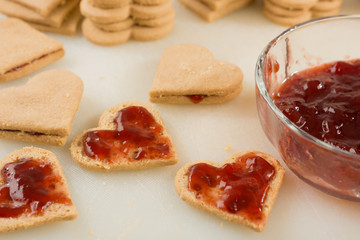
(211, 10)
(112, 22)
(291, 12)
(56, 16)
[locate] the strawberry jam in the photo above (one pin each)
(196, 98)
(30, 186)
(325, 102)
(137, 136)
(238, 187)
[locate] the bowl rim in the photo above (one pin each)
(262, 89)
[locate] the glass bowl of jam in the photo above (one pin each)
(308, 100)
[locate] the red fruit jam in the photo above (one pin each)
(137, 136)
(238, 187)
(30, 186)
(324, 101)
(196, 98)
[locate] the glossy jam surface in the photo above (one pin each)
(137, 136)
(238, 187)
(29, 187)
(325, 102)
(196, 98)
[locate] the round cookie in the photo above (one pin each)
(320, 14)
(150, 34)
(109, 4)
(149, 12)
(296, 3)
(157, 22)
(282, 11)
(100, 15)
(151, 2)
(287, 21)
(327, 5)
(97, 36)
(115, 27)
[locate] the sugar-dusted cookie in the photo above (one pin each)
(141, 33)
(242, 190)
(20, 55)
(158, 21)
(37, 190)
(130, 135)
(43, 7)
(149, 12)
(115, 27)
(188, 73)
(43, 109)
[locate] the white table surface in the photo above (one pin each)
(144, 204)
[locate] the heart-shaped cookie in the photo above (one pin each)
(130, 135)
(43, 109)
(189, 73)
(33, 190)
(242, 190)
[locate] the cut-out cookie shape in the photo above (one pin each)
(43, 109)
(189, 73)
(33, 190)
(242, 190)
(130, 135)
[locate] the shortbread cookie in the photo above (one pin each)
(211, 15)
(285, 12)
(157, 22)
(115, 27)
(242, 190)
(104, 16)
(130, 135)
(55, 19)
(151, 2)
(37, 190)
(189, 73)
(286, 20)
(150, 12)
(217, 4)
(109, 3)
(296, 3)
(68, 27)
(319, 14)
(43, 109)
(327, 5)
(100, 37)
(151, 33)
(43, 7)
(20, 55)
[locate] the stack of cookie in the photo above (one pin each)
(324, 8)
(211, 10)
(112, 22)
(57, 16)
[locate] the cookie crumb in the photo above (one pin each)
(101, 77)
(104, 183)
(227, 148)
(91, 233)
(222, 224)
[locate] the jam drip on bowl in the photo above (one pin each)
(29, 187)
(324, 101)
(238, 187)
(137, 136)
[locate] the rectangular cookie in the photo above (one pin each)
(43, 7)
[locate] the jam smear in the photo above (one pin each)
(324, 101)
(196, 98)
(238, 187)
(137, 136)
(30, 186)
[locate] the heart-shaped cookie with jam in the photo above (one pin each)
(33, 190)
(43, 109)
(130, 135)
(242, 190)
(188, 73)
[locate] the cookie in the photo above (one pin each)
(21, 55)
(296, 3)
(115, 27)
(320, 14)
(109, 3)
(217, 4)
(42, 110)
(130, 135)
(150, 12)
(242, 190)
(157, 22)
(285, 12)
(211, 15)
(68, 27)
(55, 19)
(286, 20)
(43, 7)
(327, 5)
(189, 73)
(100, 37)
(150, 2)
(141, 33)
(104, 16)
(37, 190)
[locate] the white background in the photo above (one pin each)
(144, 204)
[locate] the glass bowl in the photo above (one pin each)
(330, 169)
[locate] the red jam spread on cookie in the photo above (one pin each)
(196, 98)
(137, 136)
(324, 101)
(238, 187)
(29, 187)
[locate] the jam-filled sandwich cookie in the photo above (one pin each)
(24, 50)
(188, 73)
(242, 190)
(130, 135)
(33, 190)
(324, 8)
(43, 109)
